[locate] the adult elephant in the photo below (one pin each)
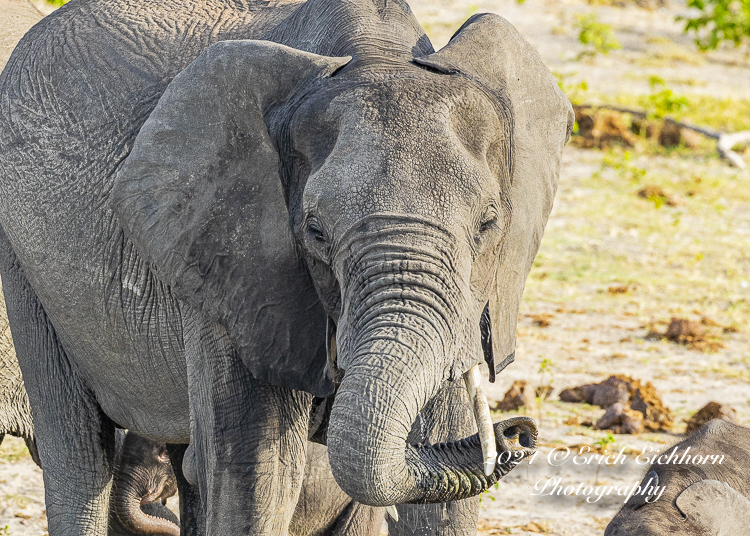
(266, 205)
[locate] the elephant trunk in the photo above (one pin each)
(129, 506)
(400, 336)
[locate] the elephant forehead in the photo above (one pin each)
(443, 183)
(414, 108)
(407, 146)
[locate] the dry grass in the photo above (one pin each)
(694, 256)
(13, 450)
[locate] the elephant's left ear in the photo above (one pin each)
(489, 50)
(201, 198)
(716, 507)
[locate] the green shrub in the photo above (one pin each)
(599, 36)
(665, 101)
(725, 20)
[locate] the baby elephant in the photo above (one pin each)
(143, 481)
(703, 488)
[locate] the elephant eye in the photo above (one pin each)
(315, 231)
(488, 224)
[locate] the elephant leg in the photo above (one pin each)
(192, 521)
(447, 417)
(75, 440)
(250, 438)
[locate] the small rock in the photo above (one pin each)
(712, 410)
(692, 335)
(520, 394)
(621, 420)
(582, 393)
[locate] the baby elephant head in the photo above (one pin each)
(143, 482)
(705, 488)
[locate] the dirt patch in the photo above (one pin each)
(618, 289)
(657, 416)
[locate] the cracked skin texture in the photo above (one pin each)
(94, 71)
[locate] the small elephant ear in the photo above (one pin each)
(201, 198)
(488, 49)
(716, 507)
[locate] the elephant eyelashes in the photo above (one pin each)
(488, 225)
(317, 239)
(316, 233)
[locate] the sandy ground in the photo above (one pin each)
(590, 335)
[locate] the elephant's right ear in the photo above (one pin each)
(716, 507)
(201, 198)
(489, 50)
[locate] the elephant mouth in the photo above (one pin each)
(523, 440)
(503, 445)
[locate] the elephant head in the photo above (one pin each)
(698, 487)
(349, 210)
(143, 483)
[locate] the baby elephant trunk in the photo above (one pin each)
(142, 484)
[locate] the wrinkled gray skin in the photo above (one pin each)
(146, 478)
(325, 211)
(324, 509)
(705, 499)
(143, 475)
(16, 17)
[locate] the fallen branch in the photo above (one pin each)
(724, 142)
(727, 141)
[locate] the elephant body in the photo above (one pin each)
(706, 488)
(242, 224)
(16, 17)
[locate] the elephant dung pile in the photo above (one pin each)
(631, 405)
(600, 127)
(521, 393)
(712, 410)
(690, 334)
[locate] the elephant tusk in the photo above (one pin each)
(392, 512)
(473, 379)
